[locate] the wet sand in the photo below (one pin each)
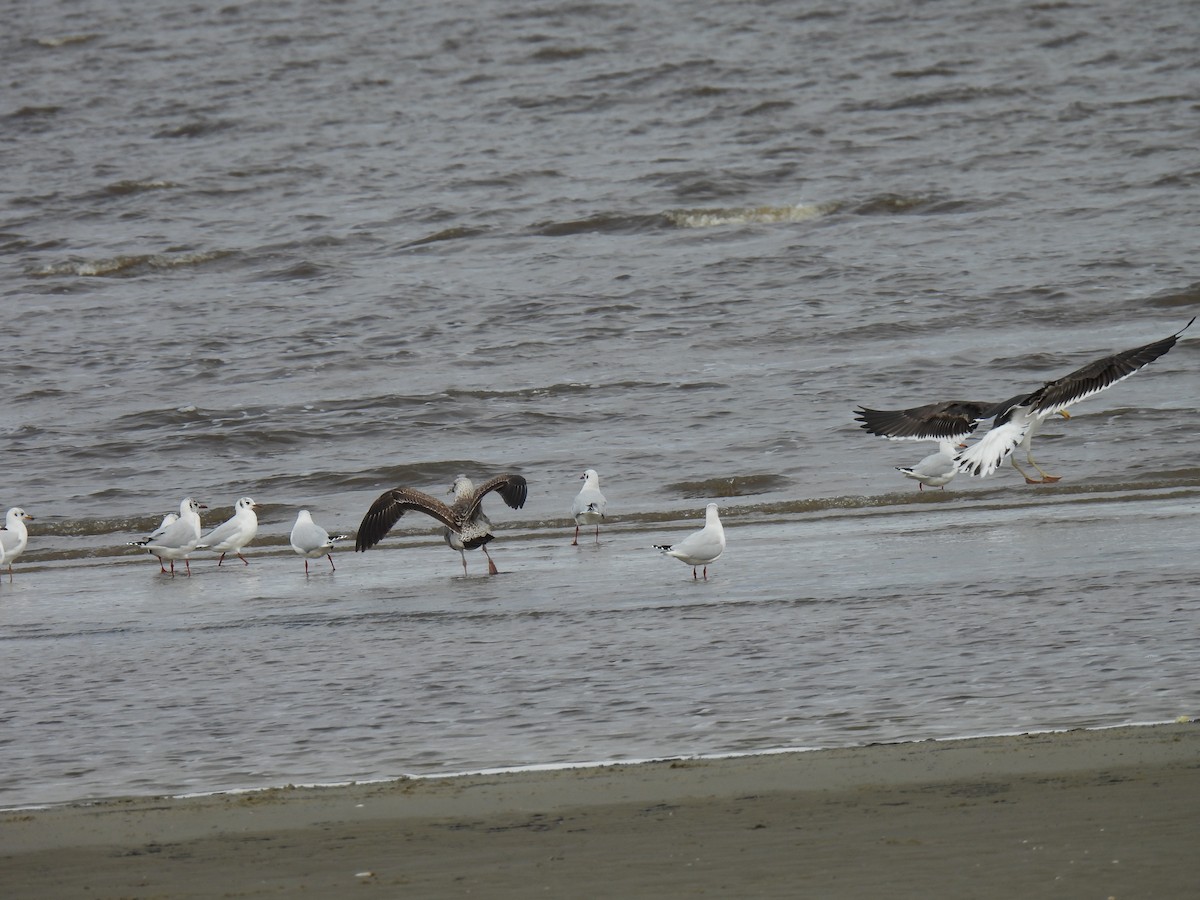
(1109, 813)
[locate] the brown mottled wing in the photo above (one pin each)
(513, 489)
(945, 421)
(1103, 373)
(391, 505)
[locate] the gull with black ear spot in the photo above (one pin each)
(14, 537)
(179, 538)
(231, 536)
(589, 505)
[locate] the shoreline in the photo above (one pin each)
(1112, 811)
(532, 768)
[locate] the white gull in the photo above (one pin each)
(589, 505)
(702, 547)
(312, 541)
(231, 536)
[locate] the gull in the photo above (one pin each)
(950, 420)
(1015, 421)
(168, 520)
(465, 518)
(702, 547)
(936, 469)
(462, 488)
(236, 533)
(175, 540)
(589, 505)
(312, 541)
(13, 537)
(1022, 417)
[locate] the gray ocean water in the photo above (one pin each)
(305, 252)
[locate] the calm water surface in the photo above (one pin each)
(305, 254)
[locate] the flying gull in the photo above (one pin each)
(13, 537)
(312, 541)
(702, 547)
(463, 518)
(236, 533)
(589, 505)
(1017, 419)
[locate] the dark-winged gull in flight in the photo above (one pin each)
(1017, 419)
(464, 518)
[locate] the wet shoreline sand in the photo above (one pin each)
(1105, 813)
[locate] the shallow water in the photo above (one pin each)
(276, 251)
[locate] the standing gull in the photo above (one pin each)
(236, 533)
(312, 541)
(701, 548)
(936, 469)
(1017, 419)
(464, 518)
(13, 537)
(589, 505)
(168, 520)
(179, 538)
(461, 489)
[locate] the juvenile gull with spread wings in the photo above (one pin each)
(464, 519)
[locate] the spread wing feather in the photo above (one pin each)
(391, 505)
(513, 489)
(945, 421)
(1102, 373)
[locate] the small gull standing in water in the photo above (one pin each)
(589, 505)
(14, 536)
(168, 520)
(179, 538)
(465, 518)
(936, 469)
(702, 547)
(231, 536)
(1016, 420)
(312, 541)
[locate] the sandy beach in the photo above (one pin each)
(1108, 813)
